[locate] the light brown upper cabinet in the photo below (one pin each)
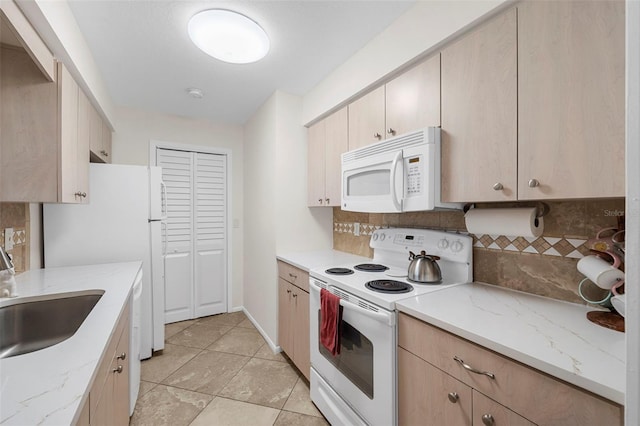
(479, 113)
(327, 139)
(571, 83)
(99, 138)
(409, 102)
(41, 156)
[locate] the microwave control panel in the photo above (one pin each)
(414, 174)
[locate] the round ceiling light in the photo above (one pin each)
(228, 36)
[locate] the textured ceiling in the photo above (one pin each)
(148, 61)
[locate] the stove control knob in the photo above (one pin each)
(456, 246)
(443, 244)
(374, 236)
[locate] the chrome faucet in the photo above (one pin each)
(5, 261)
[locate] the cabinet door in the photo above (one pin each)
(336, 143)
(95, 134)
(488, 412)
(366, 119)
(29, 148)
(479, 114)
(301, 350)
(68, 191)
(84, 131)
(413, 98)
(571, 103)
(316, 164)
(120, 397)
(285, 325)
(106, 142)
(428, 396)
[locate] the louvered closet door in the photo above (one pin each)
(177, 174)
(210, 237)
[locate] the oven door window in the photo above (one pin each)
(355, 360)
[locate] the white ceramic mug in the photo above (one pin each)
(619, 303)
(601, 272)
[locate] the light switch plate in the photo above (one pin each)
(356, 229)
(8, 239)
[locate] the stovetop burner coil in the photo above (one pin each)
(389, 286)
(371, 267)
(339, 271)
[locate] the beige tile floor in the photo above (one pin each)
(218, 370)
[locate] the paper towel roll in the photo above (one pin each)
(521, 222)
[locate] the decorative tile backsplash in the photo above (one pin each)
(545, 266)
(15, 218)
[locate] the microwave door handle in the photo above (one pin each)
(394, 167)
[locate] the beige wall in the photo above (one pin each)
(136, 128)
(421, 29)
(275, 214)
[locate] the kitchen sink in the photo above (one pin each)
(29, 324)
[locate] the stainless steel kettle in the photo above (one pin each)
(424, 268)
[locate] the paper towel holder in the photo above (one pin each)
(542, 209)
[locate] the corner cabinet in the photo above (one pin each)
(293, 316)
(327, 140)
(408, 102)
(571, 99)
(43, 157)
(434, 388)
(533, 105)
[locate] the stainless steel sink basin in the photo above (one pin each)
(29, 324)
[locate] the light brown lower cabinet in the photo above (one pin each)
(435, 389)
(108, 402)
(293, 316)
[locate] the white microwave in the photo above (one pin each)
(401, 174)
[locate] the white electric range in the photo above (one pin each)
(358, 386)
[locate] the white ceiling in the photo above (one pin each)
(148, 61)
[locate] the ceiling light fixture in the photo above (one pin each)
(228, 36)
(195, 93)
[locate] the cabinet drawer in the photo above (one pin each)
(293, 275)
(487, 411)
(515, 385)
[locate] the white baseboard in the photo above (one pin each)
(275, 348)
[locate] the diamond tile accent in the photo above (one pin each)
(541, 245)
(551, 240)
(520, 243)
(485, 240)
(575, 255)
(576, 242)
(502, 241)
(563, 247)
(511, 247)
(552, 252)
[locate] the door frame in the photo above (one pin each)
(153, 147)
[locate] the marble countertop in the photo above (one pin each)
(50, 386)
(308, 260)
(550, 335)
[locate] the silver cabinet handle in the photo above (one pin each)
(327, 200)
(81, 194)
(295, 295)
(473, 370)
(319, 200)
(391, 131)
(105, 153)
(118, 370)
(453, 397)
(533, 183)
(288, 291)
(377, 135)
(488, 419)
(122, 356)
(294, 276)
(498, 186)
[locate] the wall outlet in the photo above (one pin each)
(8, 239)
(356, 229)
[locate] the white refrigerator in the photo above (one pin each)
(123, 222)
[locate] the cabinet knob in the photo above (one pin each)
(81, 194)
(122, 356)
(288, 291)
(498, 186)
(453, 397)
(488, 420)
(533, 183)
(118, 370)
(377, 135)
(294, 276)
(319, 200)
(327, 200)
(105, 153)
(295, 295)
(391, 131)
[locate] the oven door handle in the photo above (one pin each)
(385, 318)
